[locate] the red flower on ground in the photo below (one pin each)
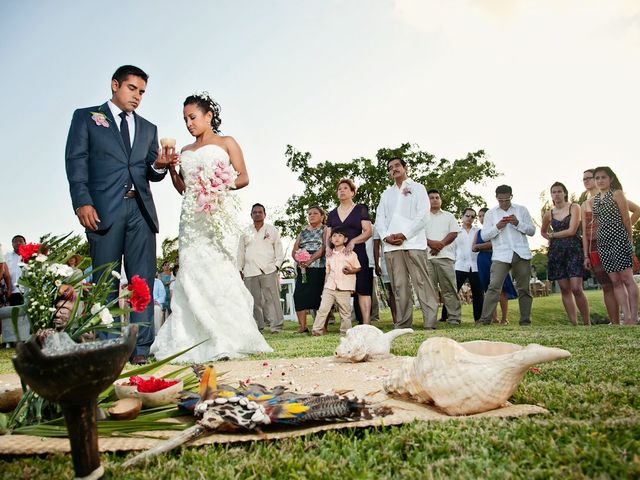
(28, 250)
(140, 296)
(151, 384)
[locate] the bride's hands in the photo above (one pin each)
(167, 158)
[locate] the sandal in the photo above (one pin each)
(306, 330)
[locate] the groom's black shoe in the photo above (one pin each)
(139, 360)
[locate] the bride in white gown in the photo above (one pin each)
(210, 301)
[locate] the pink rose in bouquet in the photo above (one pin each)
(210, 185)
(302, 256)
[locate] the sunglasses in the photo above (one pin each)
(587, 178)
(469, 215)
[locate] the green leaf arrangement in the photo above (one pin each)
(149, 419)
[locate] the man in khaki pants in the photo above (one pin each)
(442, 230)
(259, 256)
(400, 220)
(507, 226)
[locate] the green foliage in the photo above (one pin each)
(539, 261)
(169, 253)
(636, 239)
(452, 178)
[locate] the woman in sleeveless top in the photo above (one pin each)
(614, 241)
(565, 252)
(308, 291)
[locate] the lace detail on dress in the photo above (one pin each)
(218, 225)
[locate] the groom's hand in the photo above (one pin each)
(88, 217)
(167, 157)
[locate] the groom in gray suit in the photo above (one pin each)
(111, 156)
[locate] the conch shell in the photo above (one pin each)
(467, 378)
(366, 342)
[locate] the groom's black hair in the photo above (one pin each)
(121, 74)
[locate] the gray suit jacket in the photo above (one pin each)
(99, 170)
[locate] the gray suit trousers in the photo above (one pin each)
(131, 236)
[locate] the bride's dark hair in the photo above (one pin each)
(205, 103)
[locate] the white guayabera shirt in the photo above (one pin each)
(511, 238)
(403, 210)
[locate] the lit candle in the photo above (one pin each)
(168, 142)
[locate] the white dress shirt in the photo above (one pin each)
(511, 238)
(131, 123)
(260, 251)
(466, 259)
(159, 293)
(12, 259)
(403, 210)
(439, 225)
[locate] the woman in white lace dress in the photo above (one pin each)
(210, 303)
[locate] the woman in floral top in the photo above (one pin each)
(308, 291)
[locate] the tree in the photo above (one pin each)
(539, 262)
(451, 178)
(169, 252)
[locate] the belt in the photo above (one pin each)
(130, 194)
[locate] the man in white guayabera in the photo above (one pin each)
(441, 231)
(507, 227)
(260, 255)
(400, 220)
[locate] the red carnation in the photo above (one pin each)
(140, 296)
(28, 250)
(151, 384)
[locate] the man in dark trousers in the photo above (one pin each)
(111, 156)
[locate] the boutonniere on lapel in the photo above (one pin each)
(266, 236)
(100, 119)
(406, 191)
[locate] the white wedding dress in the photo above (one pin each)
(210, 301)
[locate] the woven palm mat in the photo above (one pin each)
(323, 374)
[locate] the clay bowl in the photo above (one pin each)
(73, 376)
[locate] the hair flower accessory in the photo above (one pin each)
(203, 94)
(406, 191)
(100, 119)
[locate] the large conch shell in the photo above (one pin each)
(366, 342)
(467, 378)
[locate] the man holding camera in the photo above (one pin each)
(507, 227)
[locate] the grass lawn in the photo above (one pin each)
(593, 430)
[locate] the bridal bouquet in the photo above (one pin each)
(302, 256)
(212, 182)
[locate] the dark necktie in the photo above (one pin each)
(124, 131)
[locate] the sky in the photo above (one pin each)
(546, 87)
